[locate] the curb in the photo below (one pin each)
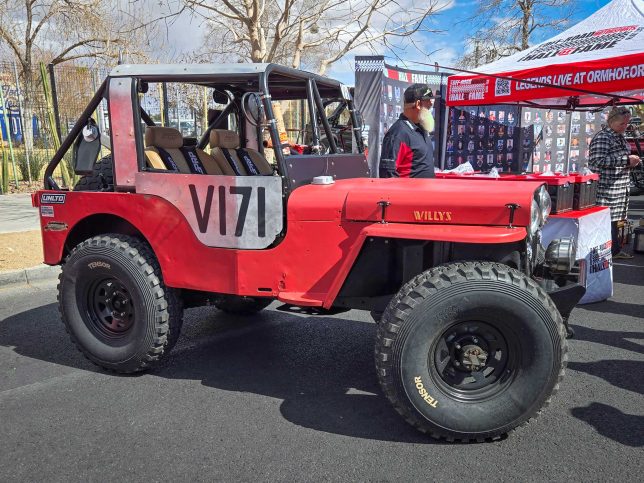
(39, 273)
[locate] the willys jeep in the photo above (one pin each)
(470, 309)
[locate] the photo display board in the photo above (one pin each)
(487, 137)
(562, 139)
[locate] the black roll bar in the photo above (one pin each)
(206, 134)
(272, 123)
(356, 127)
(315, 129)
(325, 121)
(71, 136)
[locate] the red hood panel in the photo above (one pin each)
(442, 201)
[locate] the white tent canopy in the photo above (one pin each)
(598, 61)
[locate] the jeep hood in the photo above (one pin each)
(425, 201)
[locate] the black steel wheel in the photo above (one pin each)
(109, 308)
(472, 360)
(469, 351)
(115, 305)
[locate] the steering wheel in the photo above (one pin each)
(253, 108)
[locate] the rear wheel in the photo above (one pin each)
(115, 305)
(101, 179)
(469, 351)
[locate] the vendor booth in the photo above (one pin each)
(597, 63)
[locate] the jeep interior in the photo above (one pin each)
(234, 120)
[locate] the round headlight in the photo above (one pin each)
(545, 202)
(535, 217)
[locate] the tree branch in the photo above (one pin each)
(61, 56)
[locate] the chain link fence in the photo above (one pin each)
(37, 111)
(40, 107)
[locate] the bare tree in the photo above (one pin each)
(57, 31)
(315, 33)
(504, 27)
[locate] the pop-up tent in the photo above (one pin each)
(599, 61)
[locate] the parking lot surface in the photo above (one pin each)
(284, 397)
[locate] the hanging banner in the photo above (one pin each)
(379, 93)
(601, 54)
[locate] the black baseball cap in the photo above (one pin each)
(418, 92)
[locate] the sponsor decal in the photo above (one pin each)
(194, 160)
(600, 257)
(423, 392)
(47, 211)
(52, 198)
(427, 215)
(586, 42)
(468, 89)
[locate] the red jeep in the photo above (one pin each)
(470, 308)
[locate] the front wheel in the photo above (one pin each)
(469, 351)
(115, 305)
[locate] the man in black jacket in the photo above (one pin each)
(407, 149)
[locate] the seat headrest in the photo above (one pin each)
(223, 138)
(163, 137)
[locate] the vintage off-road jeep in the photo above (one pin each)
(470, 308)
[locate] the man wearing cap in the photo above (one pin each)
(407, 149)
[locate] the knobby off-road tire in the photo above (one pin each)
(115, 305)
(240, 305)
(469, 351)
(101, 179)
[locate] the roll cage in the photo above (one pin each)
(270, 82)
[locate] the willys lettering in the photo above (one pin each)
(426, 215)
(52, 198)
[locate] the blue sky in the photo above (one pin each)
(446, 47)
(450, 45)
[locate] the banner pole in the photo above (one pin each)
(8, 126)
(21, 122)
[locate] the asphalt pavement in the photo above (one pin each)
(285, 397)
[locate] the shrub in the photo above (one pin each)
(37, 162)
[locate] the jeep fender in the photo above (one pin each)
(447, 233)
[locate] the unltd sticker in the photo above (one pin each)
(52, 198)
(47, 211)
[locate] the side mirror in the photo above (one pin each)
(220, 97)
(86, 148)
